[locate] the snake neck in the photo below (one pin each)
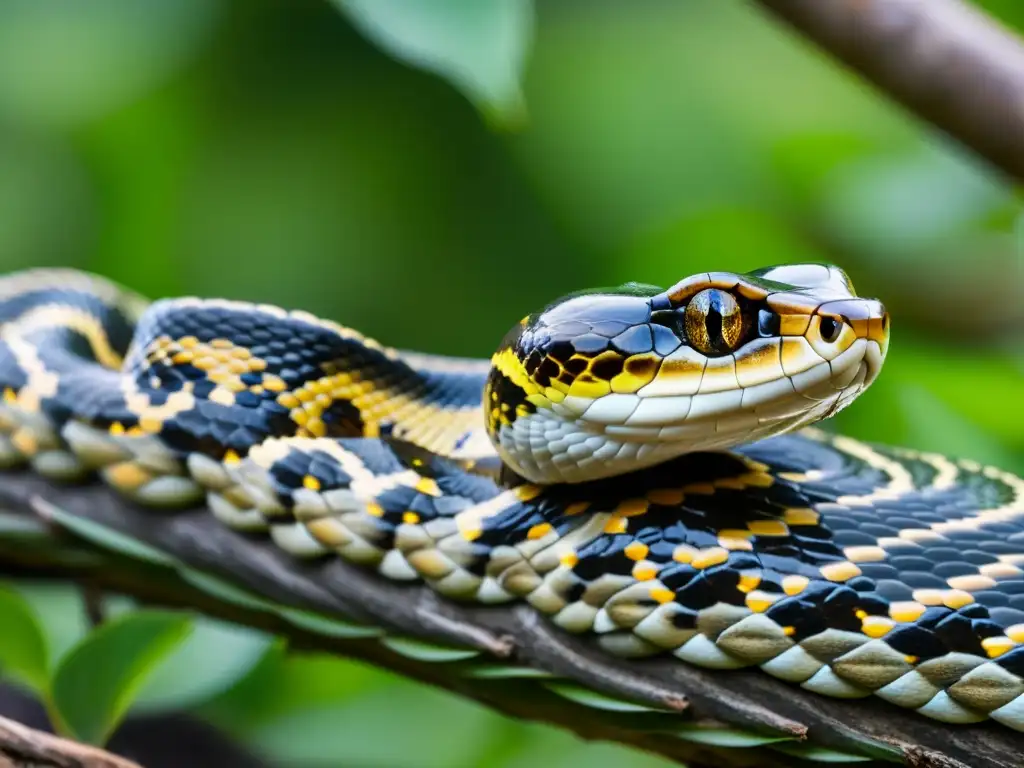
(232, 374)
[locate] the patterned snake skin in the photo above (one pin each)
(845, 568)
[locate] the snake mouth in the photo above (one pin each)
(786, 403)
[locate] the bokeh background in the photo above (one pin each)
(428, 172)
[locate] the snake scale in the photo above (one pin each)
(638, 464)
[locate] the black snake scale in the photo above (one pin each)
(846, 568)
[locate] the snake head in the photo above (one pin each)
(602, 383)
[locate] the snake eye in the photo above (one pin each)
(714, 322)
(830, 328)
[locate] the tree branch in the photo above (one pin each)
(942, 59)
(48, 542)
(21, 747)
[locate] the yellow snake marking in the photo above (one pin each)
(759, 601)
(645, 571)
(947, 472)
(40, 382)
(365, 484)
(748, 581)
(78, 320)
(794, 325)
(505, 362)
(801, 516)
(586, 385)
(680, 373)
(668, 497)
(951, 598)
(906, 611)
(758, 362)
(224, 364)
(470, 522)
(435, 428)
(841, 571)
(865, 554)
(876, 626)
(152, 417)
(794, 584)
(637, 372)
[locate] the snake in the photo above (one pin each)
(641, 465)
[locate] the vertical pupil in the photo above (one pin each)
(713, 321)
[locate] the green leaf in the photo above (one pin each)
(59, 612)
(98, 679)
(19, 525)
(223, 590)
(480, 47)
(362, 732)
(421, 651)
(559, 749)
(819, 754)
(214, 657)
(720, 737)
(284, 684)
(23, 647)
(105, 537)
(325, 626)
(507, 672)
(590, 698)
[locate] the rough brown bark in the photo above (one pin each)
(944, 60)
(750, 701)
(22, 747)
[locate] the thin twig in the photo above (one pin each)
(750, 701)
(949, 63)
(21, 747)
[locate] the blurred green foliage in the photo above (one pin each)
(270, 150)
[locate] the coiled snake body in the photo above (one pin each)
(634, 463)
